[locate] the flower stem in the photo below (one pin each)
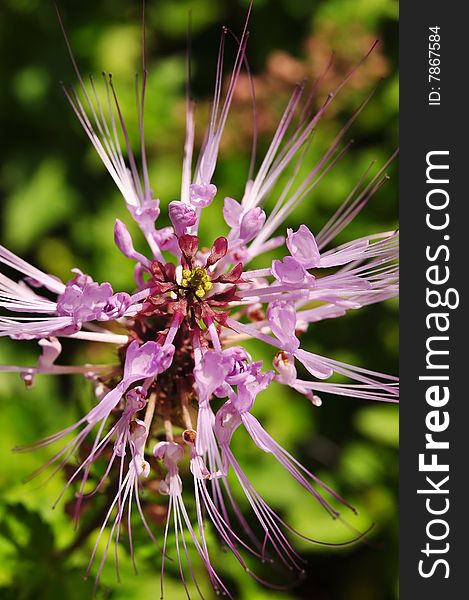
(168, 429)
(150, 410)
(186, 416)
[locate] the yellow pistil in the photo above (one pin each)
(197, 281)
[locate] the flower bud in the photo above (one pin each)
(201, 195)
(290, 272)
(284, 363)
(123, 241)
(232, 212)
(182, 216)
(116, 306)
(251, 223)
(302, 246)
(282, 320)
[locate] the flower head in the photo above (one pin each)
(179, 351)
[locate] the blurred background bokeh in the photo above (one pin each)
(58, 211)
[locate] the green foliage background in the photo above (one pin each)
(59, 207)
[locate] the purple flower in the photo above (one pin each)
(282, 320)
(211, 373)
(147, 213)
(232, 212)
(290, 272)
(182, 216)
(123, 241)
(179, 362)
(83, 299)
(241, 366)
(303, 247)
(251, 223)
(116, 307)
(284, 363)
(135, 434)
(141, 362)
(171, 454)
(250, 386)
(51, 349)
(147, 360)
(201, 195)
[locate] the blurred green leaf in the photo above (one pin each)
(38, 203)
(380, 423)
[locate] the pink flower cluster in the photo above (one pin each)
(180, 349)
